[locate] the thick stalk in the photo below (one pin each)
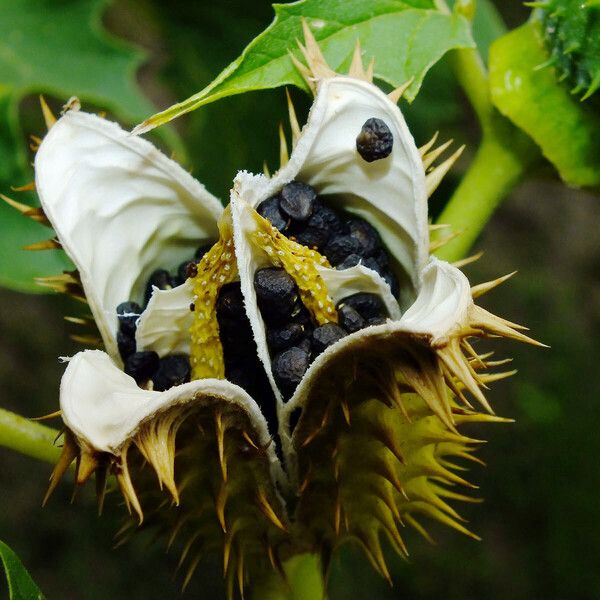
(28, 437)
(303, 581)
(471, 74)
(500, 163)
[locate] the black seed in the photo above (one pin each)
(298, 310)
(160, 279)
(325, 217)
(236, 337)
(230, 303)
(340, 247)
(142, 365)
(366, 235)
(305, 344)
(301, 316)
(355, 259)
(243, 371)
(372, 264)
(376, 321)
(289, 367)
(129, 307)
(310, 237)
(242, 365)
(326, 335)
(126, 344)
(375, 265)
(201, 251)
(382, 259)
(392, 281)
(350, 261)
(128, 313)
(297, 200)
(250, 375)
(276, 293)
(380, 265)
(240, 374)
(172, 370)
(316, 232)
(237, 331)
(187, 269)
(375, 140)
(366, 304)
(350, 319)
(280, 338)
(270, 210)
(192, 307)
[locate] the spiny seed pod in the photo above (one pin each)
(572, 31)
(290, 445)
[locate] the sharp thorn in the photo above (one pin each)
(49, 117)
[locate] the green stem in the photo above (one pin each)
(28, 437)
(303, 581)
(470, 71)
(499, 165)
(501, 161)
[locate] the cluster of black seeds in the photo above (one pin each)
(242, 365)
(146, 366)
(293, 339)
(163, 280)
(345, 240)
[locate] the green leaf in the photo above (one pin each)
(17, 266)
(57, 48)
(441, 105)
(406, 37)
(528, 93)
(20, 584)
(222, 138)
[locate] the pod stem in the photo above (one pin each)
(303, 581)
(503, 158)
(500, 163)
(28, 437)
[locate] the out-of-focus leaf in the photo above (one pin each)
(487, 26)
(19, 267)
(57, 48)
(406, 37)
(223, 137)
(440, 106)
(20, 584)
(528, 93)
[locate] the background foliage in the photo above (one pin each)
(539, 522)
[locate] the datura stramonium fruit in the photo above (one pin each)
(298, 384)
(572, 32)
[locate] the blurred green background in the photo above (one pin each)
(539, 522)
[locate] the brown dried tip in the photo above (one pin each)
(69, 453)
(34, 213)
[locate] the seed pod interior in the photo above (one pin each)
(120, 208)
(389, 194)
(165, 324)
(358, 441)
